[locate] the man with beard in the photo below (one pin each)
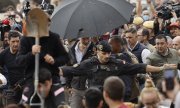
(15, 72)
(162, 55)
(99, 67)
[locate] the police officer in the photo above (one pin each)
(99, 67)
(53, 94)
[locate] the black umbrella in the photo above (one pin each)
(5, 4)
(77, 18)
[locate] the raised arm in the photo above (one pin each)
(133, 69)
(152, 9)
(150, 68)
(138, 8)
(85, 68)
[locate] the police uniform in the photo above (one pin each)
(53, 100)
(98, 72)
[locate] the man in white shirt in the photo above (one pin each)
(80, 51)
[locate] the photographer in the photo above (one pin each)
(162, 55)
(167, 13)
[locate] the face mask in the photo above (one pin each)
(146, 17)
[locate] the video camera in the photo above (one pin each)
(47, 7)
(166, 9)
(26, 7)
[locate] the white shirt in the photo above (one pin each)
(78, 53)
(145, 53)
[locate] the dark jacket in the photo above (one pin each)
(79, 82)
(97, 72)
(89, 53)
(138, 50)
(14, 71)
(126, 78)
(131, 90)
(49, 45)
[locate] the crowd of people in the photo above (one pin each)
(133, 66)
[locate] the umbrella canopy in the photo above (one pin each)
(77, 18)
(5, 4)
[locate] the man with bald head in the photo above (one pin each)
(176, 43)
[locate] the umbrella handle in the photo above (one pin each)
(36, 80)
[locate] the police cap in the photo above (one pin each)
(104, 46)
